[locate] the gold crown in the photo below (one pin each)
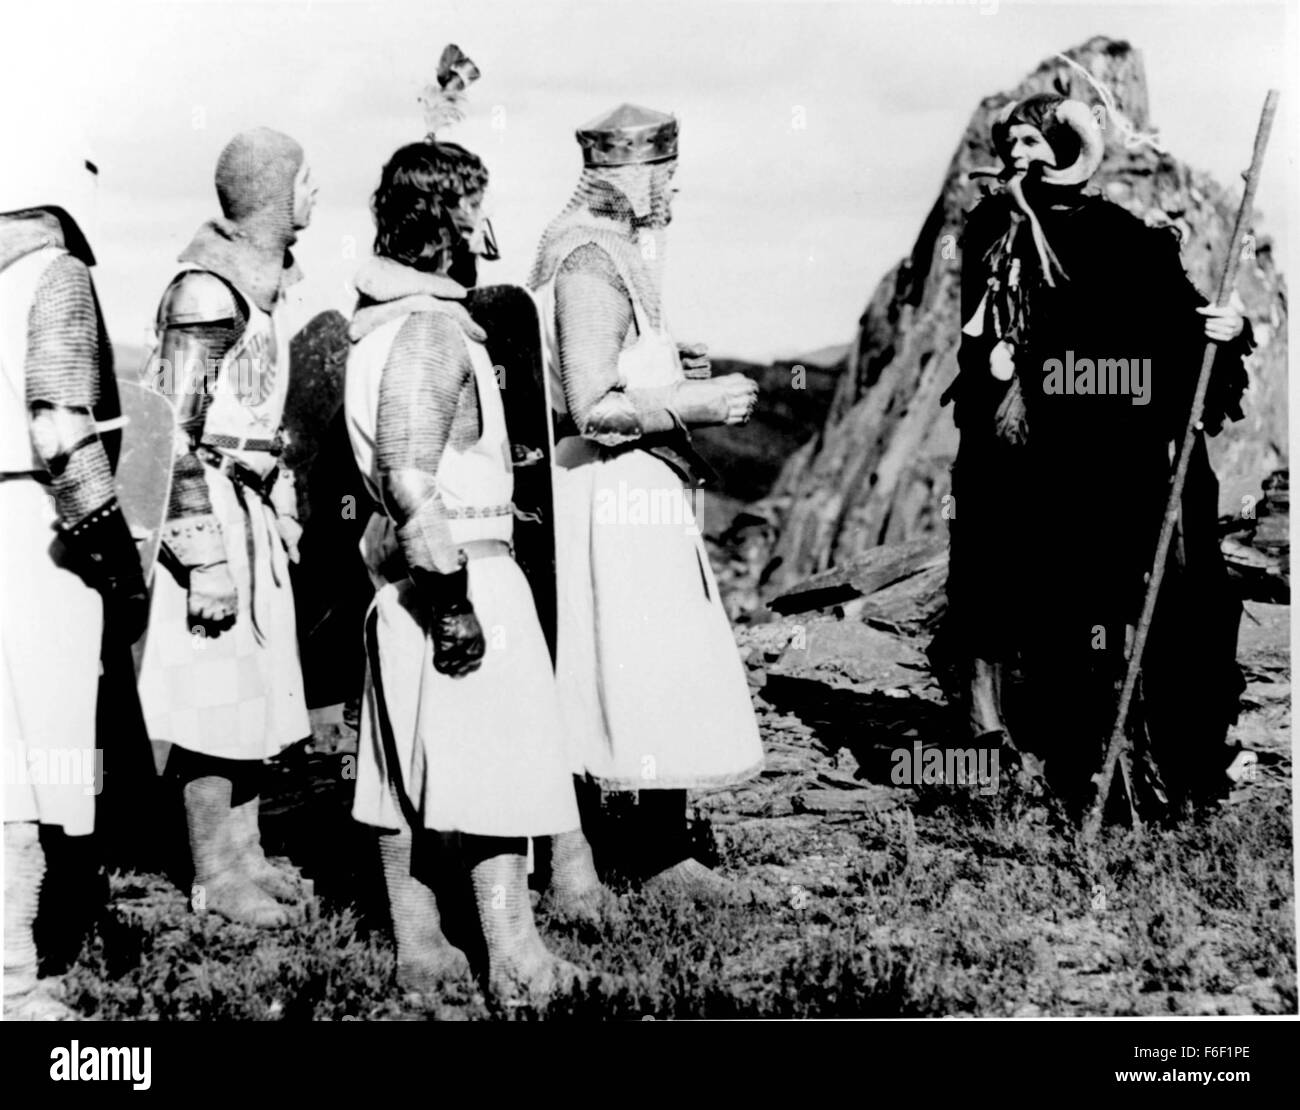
(628, 136)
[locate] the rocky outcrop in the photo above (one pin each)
(879, 470)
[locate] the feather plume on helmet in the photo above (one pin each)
(444, 97)
(422, 217)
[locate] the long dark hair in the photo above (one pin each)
(420, 188)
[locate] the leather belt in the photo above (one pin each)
(479, 512)
(675, 449)
(234, 443)
(242, 478)
(240, 474)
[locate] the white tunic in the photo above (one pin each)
(651, 684)
(50, 620)
(482, 753)
(239, 694)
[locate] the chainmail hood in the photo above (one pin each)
(625, 211)
(249, 244)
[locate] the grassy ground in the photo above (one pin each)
(886, 901)
(951, 904)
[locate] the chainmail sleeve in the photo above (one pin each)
(63, 388)
(427, 401)
(593, 312)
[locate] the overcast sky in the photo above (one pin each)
(780, 232)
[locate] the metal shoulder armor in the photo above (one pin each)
(197, 297)
(199, 319)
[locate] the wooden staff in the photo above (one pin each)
(1117, 749)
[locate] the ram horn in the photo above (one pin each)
(1076, 115)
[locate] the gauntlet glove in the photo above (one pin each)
(213, 598)
(458, 644)
(197, 544)
(104, 553)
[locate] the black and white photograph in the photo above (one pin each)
(648, 511)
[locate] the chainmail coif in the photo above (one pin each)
(622, 209)
(613, 230)
(255, 175)
(249, 244)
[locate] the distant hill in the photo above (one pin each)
(794, 401)
(793, 405)
(832, 357)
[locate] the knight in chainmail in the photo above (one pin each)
(1059, 494)
(220, 681)
(460, 736)
(653, 693)
(69, 569)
